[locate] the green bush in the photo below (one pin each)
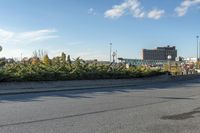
(70, 70)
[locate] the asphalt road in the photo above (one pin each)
(156, 108)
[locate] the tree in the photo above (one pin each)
(39, 53)
(56, 60)
(46, 60)
(35, 60)
(63, 58)
(69, 60)
(3, 61)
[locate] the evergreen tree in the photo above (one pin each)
(46, 60)
(69, 60)
(63, 58)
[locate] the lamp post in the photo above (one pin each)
(110, 52)
(114, 55)
(169, 57)
(197, 50)
(0, 51)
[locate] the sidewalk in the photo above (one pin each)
(11, 88)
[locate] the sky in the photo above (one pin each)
(85, 28)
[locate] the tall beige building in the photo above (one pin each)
(160, 53)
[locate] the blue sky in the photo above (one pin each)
(86, 27)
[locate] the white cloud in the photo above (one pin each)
(26, 37)
(185, 5)
(12, 53)
(91, 11)
(12, 42)
(156, 14)
(134, 8)
(5, 36)
(129, 5)
(116, 11)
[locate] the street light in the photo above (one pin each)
(110, 52)
(197, 48)
(197, 51)
(0, 51)
(169, 57)
(114, 55)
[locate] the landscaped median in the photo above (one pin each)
(58, 68)
(10, 88)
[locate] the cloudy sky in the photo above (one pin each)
(86, 27)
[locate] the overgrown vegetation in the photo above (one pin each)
(63, 68)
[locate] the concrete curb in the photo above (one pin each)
(35, 87)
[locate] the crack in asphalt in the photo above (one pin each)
(90, 113)
(82, 114)
(182, 116)
(97, 112)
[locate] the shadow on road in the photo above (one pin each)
(78, 94)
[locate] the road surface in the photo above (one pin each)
(156, 108)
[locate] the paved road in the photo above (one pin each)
(156, 108)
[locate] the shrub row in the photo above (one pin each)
(76, 70)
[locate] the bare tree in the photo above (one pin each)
(40, 53)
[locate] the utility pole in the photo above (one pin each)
(21, 56)
(197, 63)
(116, 56)
(110, 52)
(197, 48)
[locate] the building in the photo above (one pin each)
(139, 62)
(190, 60)
(160, 53)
